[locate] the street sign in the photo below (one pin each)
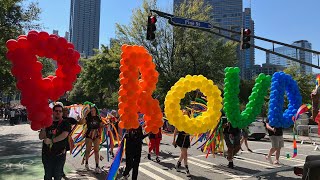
(191, 23)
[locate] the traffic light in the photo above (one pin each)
(245, 38)
(151, 28)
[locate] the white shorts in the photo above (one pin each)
(277, 141)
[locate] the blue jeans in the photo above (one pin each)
(53, 166)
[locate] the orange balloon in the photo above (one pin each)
(135, 92)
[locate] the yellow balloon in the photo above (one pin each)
(200, 124)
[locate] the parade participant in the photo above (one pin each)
(66, 117)
(134, 139)
(232, 139)
(245, 135)
(276, 137)
(55, 140)
(72, 122)
(183, 141)
(154, 144)
(93, 134)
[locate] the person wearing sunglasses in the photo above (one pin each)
(55, 141)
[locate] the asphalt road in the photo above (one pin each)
(20, 158)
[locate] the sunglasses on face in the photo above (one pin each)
(57, 111)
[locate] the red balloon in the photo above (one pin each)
(35, 126)
(12, 44)
(43, 35)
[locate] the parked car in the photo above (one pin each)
(257, 129)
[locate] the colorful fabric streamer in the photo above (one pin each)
(116, 162)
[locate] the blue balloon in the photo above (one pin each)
(280, 84)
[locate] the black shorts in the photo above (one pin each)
(93, 134)
(232, 142)
(183, 141)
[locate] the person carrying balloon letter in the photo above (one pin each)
(154, 144)
(276, 137)
(232, 139)
(245, 135)
(55, 141)
(93, 134)
(133, 139)
(183, 141)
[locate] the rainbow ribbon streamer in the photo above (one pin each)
(113, 171)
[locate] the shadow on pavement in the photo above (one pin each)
(22, 168)
(167, 155)
(277, 176)
(10, 145)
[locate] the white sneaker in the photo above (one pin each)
(98, 170)
(87, 167)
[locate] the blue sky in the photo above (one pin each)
(281, 20)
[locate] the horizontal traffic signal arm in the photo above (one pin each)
(170, 16)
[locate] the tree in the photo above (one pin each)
(48, 68)
(305, 82)
(98, 81)
(15, 19)
(180, 51)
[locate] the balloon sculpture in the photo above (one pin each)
(135, 94)
(202, 123)
(282, 82)
(36, 90)
(231, 100)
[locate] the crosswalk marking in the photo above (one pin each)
(150, 174)
(292, 159)
(235, 177)
(251, 161)
(164, 172)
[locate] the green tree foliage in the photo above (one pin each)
(15, 18)
(178, 51)
(305, 82)
(48, 68)
(98, 81)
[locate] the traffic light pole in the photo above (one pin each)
(170, 20)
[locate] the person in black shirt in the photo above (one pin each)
(276, 137)
(134, 139)
(93, 135)
(232, 138)
(54, 145)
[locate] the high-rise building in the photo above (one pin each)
(230, 15)
(267, 69)
(66, 36)
(56, 32)
(291, 52)
(85, 25)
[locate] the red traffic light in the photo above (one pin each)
(246, 32)
(153, 19)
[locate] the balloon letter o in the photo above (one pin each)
(200, 124)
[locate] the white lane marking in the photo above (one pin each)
(252, 161)
(293, 159)
(150, 174)
(272, 171)
(163, 172)
(255, 163)
(235, 177)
